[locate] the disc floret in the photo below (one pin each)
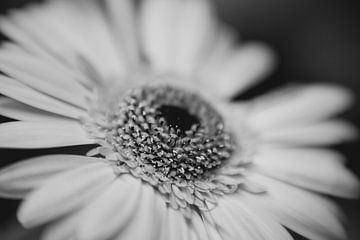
(172, 139)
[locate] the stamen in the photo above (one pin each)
(175, 134)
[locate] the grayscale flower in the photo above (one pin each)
(151, 85)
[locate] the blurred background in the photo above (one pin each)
(316, 41)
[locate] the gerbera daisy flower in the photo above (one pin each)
(150, 84)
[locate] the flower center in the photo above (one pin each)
(175, 141)
(169, 133)
(178, 118)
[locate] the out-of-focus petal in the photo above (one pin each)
(123, 22)
(19, 111)
(28, 135)
(315, 169)
(74, 22)
(316, 134)
(177, 226)
(64, 193)
(116, 206)
(22, 93)
(243, 68)
(38, 74)
(304, 212)
(239, 222)
(18, 179)
(299, 105)
(158, 18)
(195, 32)
(148, 214)
(62, 229)
(176, 34)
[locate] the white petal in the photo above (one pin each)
(243, 68)
(177, 228)
(240, 221)
(122, 17)
(18, 179)
(222, 49)
(101, 47)
(315, 169)
(30, 34)
(304, 212)
(270, 228)
(213, 230)
(111, 212)
(24, 39)
(177, 35)
(42, 135)
(64, 193)
(70, 27)
(198, 227)
(19, 36)
(163, 221)
(41, 75)
(193, 35)
(299, 105)
(158, 19)
(235, 224)
(19, 111)
(63, 229)
(322, 133)
(22, 93)
(76, 23)
(147, 218)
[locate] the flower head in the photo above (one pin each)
(150, 86)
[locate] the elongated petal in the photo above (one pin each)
(158, 19)
(241, 222)
(222, 48)
(42, 135)
(269, 227)
(14, 32)
(64, 193)
(177, 226)
(62, 229)
(195, 32)
(146, 221)
(299, 105)
(177, 34)
(18, 179)
(22, 93)
(25, 41)
(212, 229)
(302, 211)
(122, 17)
(245, 67)
(74, 22)
(314, 169)
(40, 75)
(197, 226)
(23, 38)
(163, 221)
(26, 27)
(19, 111)
(116, 206)
(322, 133)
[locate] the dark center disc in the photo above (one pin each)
(177, 118)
